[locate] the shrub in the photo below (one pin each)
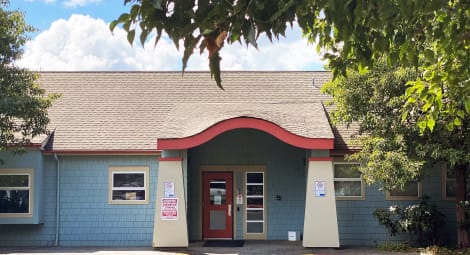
(419, 219)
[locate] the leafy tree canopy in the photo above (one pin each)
(433, 36)
(394, 151)
(23, 104)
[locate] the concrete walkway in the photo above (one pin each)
(196, 248)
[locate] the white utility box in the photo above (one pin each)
(293, 236)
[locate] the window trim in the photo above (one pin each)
(131, 170)
(363, 184)
(410, 198)
(21, 171)
(444, 183)
(256, 236)
(235, 169)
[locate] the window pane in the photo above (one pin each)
(252, 202)
(14, 180)
(254, 190)
(347, 171)
(14, 201)
(254, 227)
(254, 177)
(254, 215)
(451, 188)
(129, 180)
(348, 188)
(450, 173)
(411, 190)
(218, 191)
(128, 194)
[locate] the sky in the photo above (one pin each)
(74, 35)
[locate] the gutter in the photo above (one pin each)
(57, 222)
(103, 152)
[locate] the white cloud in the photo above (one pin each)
(83, 43)
(80, 3)
(282, 55)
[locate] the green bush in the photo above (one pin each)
(422, 220)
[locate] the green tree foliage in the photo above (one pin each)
(394, 149)
(23, 104)
(374, 100)
(433, 36)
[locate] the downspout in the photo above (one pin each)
(57, 203)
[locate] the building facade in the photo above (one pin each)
(156, 159)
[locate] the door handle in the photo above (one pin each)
(229, 210)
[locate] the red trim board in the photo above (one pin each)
(244, 122)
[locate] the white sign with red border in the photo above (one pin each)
(169, 209)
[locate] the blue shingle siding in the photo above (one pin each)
(45, 185)
(357, 226)
(86, 218)
(285, 176)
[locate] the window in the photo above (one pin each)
(412, 191)
(255, 209)
(450, 183)
(348, 182)
(128, 185)
(16, 192)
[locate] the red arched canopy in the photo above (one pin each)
(244, 122)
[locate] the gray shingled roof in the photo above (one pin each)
(129, 110)
(303, 119)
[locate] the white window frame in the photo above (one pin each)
(263, 209)
(356, 179)
(30, 188)
(128, 170)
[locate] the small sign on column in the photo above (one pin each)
(320, 189)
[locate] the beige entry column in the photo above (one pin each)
(170, 225)
(320, 223)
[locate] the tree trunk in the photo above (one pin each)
(461, 177)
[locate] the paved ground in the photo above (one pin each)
(250, 247)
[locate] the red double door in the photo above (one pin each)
(217, 205)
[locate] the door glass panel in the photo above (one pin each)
(254, 177)
(254, 202)
(217, 220)
(254, 215)
(254, 190)
(218, 190)
(254, 227)
(254, 209)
